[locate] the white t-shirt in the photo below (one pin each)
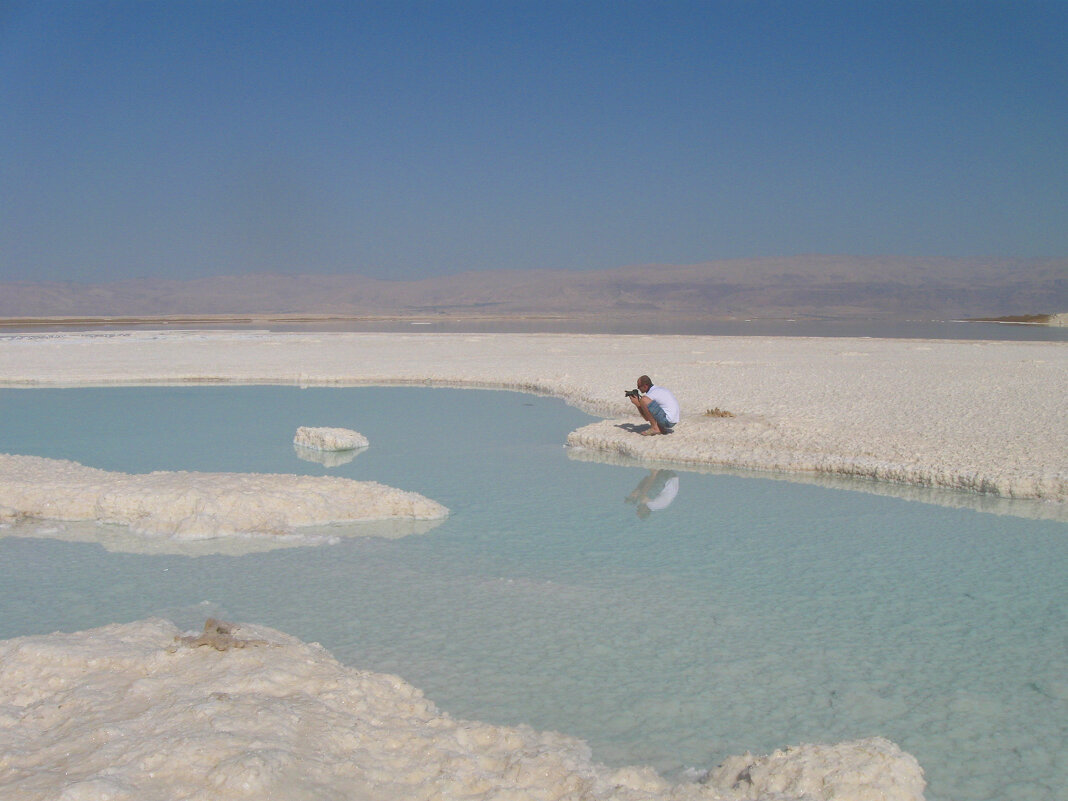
(667, 402)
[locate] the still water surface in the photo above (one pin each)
(743, 614)
(626, 324)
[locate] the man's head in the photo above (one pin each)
(644, 383)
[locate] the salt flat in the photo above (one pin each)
(982, 416)
(989, 417)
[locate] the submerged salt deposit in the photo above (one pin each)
(329, 439)
(194, 506)
(137, 711)
(981, 416)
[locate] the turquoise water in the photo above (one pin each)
(747, 614)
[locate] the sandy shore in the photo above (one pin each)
(989, 417)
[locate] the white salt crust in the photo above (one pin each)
(195, 506)
(988, 417)
(135, 712)
(329, 439)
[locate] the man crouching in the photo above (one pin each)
(657, 405)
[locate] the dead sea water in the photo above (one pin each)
(668, 618)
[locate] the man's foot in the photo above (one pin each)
(650, 432)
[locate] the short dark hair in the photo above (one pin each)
(645, 381)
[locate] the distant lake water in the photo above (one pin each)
(622, 324)
(667, 617)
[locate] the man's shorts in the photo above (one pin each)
(660, 416)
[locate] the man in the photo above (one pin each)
(657, 405)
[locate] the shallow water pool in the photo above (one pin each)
(666, 617)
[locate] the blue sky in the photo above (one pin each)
(407, 139)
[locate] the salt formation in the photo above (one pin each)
(137, 711)
(187, 505)
(329, 439)
(860, 769)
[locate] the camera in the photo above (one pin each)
(632, 393)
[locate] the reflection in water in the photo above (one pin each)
(654, 492)
(937, 496)
(122, 539)
(327, 458)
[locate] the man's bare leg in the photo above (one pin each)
(643, 408)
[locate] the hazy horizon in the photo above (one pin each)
(820, 286)
(408, 139)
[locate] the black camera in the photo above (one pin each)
(632, 393)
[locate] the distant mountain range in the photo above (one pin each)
(807, 286)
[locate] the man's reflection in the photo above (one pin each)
(654, 492)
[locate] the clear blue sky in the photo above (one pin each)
(404, 139)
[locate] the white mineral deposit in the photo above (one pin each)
(141, 711)
(329, 439)
(188, 505)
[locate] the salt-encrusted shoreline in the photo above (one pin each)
(985, 416)
(136, 711)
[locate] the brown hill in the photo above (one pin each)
(825, 286)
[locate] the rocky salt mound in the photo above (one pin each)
(329, 439)
(139, 711)
(195, 506)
